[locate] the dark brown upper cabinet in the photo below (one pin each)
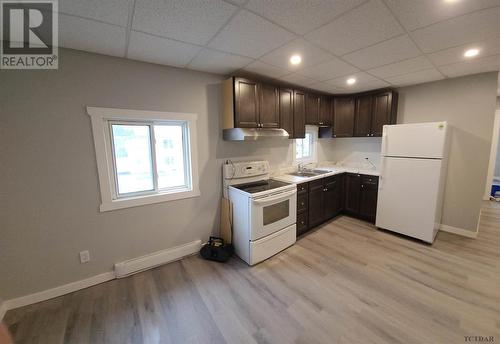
(312, 108)
(343, 120)
(286, 110)
(255, 104)
(384, 111)
(250, 104)
(299, 114)
(246, 94)
(363, 116)
(269, 115)
(325, 111)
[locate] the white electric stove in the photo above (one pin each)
(264, 210)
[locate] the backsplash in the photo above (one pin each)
(351, 151)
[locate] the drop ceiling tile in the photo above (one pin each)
(455, 55)
(310, 54)
(364, 82)
(328, 70)
(109, 11)
(159, 50)
(218, 62)
(414, 78)
(301, 16)
(372, 85)
(392, 50)
(482, 65)
(474, 27)
(361, 78)
(324, 87)
(403, 67)
(89, 35)
(250, 35)
(265, 69)
(366, 25)
(237, 2)
(297, 79)
(192, 21)
(414, 14)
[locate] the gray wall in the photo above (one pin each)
(49, 190)
(468, 104)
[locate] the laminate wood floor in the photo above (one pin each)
(346, 282)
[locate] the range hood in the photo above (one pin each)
(252, 134)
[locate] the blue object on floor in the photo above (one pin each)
(494, 190)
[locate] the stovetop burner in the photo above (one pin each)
(264, 185)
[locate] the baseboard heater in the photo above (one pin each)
(154, 259)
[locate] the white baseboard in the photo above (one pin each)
(458, 231)
(57, 291)
(125, 268)
(149, 261)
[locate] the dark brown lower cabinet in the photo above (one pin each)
(352, 190)
(319, 201)
(323, 199)
(368, 197)
(316, 202)
(333, 196)
(302, 208)
(361, 196)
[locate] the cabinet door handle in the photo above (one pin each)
(362, 186)
(302, 204)
(367, 134)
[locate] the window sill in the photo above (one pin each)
(148, 199)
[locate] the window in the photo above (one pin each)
(305, 149)
(144, 157)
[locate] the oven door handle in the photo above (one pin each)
(281, 196)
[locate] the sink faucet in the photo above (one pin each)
(300, 166)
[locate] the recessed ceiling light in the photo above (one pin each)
(295, 59)
(451, 1)
(351, 81)
(471, 52)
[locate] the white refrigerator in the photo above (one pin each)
(412, 177)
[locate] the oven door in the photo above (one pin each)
(272, 213)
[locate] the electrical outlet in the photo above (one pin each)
(84, 257)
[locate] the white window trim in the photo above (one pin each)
(99, 118)
(314, 158)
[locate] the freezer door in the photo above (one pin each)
(408, 197)
(420, 140)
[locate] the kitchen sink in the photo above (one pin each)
(311, 173)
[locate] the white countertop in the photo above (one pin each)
(284, 177)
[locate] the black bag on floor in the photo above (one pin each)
(217, 250)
